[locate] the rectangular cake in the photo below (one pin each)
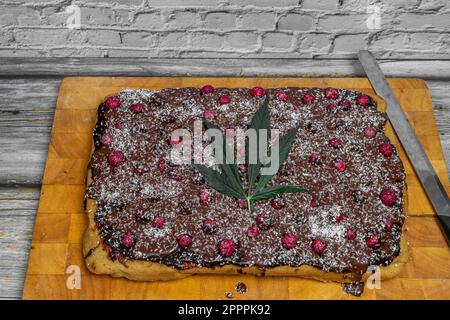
(151, 219)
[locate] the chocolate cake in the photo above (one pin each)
(153, 220)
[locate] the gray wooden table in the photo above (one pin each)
(28, 92)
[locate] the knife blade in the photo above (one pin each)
(433, 187)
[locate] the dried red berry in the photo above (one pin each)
(351, 234)
(331, 107)
(289, 240)
(116, 158)
(386, 149)
(281, 96)
(137, 107)
(331, 93)
(258, 92)
(373, 242)
(339, 217)
(252, 231)
(118, 125)
(370, 132)
(263, 221)
(308, 98)
(319, 246)
(226, 247)
(313, 203)
(224, 100)
(363, 100)
(388, 197)
(205, 197)
(158, 222)
(340, 166)
(207, 89)
(112, 103)
(184, 240)
(209, 114)
(345, 104)
(209, 226)
(161, 166)
(242, 203)
(128, 240)
(277, 203)
(106, 140)
(335, 142)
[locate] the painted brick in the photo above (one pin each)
(259, 21)
(104, 16)
(139, 39)
(107, 38)
(241, 40)
(434, 4)
(206, 41)
(183, 3)
(390, 40)
(152, 20)
(183, 20)
(418, 21)
(294, 21)
(48, 37)
(320, 4)
(220, 20)
(347, 23)
(264, 3)
(76, 37)
(17, 15)
(425, 41)
(128, 3)
(275, 41)
(315, 42)
(350, 43)
(54, 16)
(5, 37)
(401, 4)
(174, 40)
(225, 28)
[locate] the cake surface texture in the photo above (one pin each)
(150, 219)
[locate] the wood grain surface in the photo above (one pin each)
(216, 67)
(60, 220)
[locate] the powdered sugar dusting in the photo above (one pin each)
(133, 193)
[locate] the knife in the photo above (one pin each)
(427, 176)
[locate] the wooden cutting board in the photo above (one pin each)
(55, 254)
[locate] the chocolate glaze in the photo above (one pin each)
(131, 194)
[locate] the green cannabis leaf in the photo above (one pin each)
(228, 181)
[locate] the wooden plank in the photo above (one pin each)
(24, 150)
(18, 193)
(28, 102)
(162, 67)
(17, 210)
(15, 239)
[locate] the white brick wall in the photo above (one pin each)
(226, 28)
